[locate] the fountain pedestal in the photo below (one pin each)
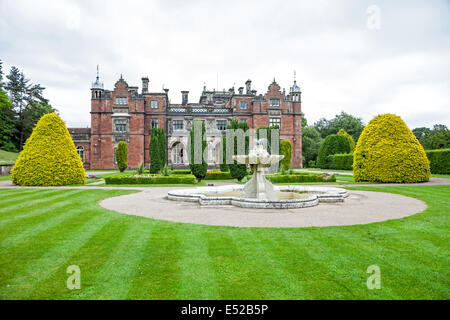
(258, 187)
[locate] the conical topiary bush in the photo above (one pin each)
(387, 151)
(49, 157)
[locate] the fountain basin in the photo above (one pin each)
(291, 196)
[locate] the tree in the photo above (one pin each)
(332, 144)
(28, 105)
(351, 124)
(286, 150)
(197, 162)
(437, 138)
(157, 150)
(349, 137)
(7, 124)
(122, 156)
(49, 157)
(311, 141)
(238, 170)
(420, 133)
(389, 152)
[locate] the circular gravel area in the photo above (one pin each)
(360, 207)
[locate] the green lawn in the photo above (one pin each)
(42, 232)
(8, 157)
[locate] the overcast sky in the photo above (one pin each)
(362, 57)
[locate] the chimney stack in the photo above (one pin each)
(184, 97)
(248, 86)
(241, 90)
(145, 84)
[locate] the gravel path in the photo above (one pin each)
(361, 207)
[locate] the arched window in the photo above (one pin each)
(178, 153)
(80, 150)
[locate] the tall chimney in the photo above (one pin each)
(184, 97)
(248, 86)
(145, 84)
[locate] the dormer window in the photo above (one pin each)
(275, 102)
(122, 100)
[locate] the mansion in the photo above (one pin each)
(125, 114)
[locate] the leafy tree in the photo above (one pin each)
(351, 124)
(311, 141)
(349, 137)
(7, 124)
(332, 144)
(122, 156)
(436, 138)
(420, 133)
(28, 105)
(238, 170)
(286, 150)
(157, 150)
(199, 167)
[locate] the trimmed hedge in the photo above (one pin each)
(342, 161)
(333, 144)
(218, 176)
(157, 150)
(122, 156)
(349, 137)
(301, 177)
(198, 169)
(286, 150)
(49, 157)
(387, 151)
(439, 160)
(181, 171)
(129, 179)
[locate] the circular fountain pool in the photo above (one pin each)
(282, 197)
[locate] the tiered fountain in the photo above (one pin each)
(259, 192)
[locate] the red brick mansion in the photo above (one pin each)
(125, 114)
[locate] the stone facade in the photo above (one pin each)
(124, 114)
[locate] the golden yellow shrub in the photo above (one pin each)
(387, 151)
(49, 157)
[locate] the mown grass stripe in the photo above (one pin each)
(7, 194)
(41, 207)
(90, 259)
(197, 277)
(38, 270)
(115, 278)
(293, 254)
(237, 271)
(159, 270)
(59, 216)
(15, 202)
